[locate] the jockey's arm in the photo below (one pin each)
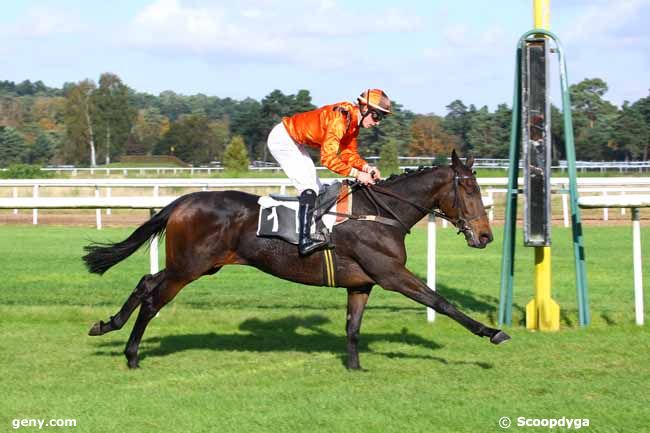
(351, 156)
(329, 151)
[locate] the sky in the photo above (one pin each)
(424, 54)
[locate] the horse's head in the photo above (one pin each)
(462, 203)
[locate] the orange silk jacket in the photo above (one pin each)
(333, 129)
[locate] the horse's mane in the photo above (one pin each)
(409, 172)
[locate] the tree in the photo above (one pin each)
(79, 111)
(429, 138)
(191, 139)
(245, 121)
(643, 106)
(114, 116)
(13, 149)
(41, 151)
(489, 134)
(630, 134)
(592, 118)
(235, 157)
(458, 122)
(389, 158)
(148, 129)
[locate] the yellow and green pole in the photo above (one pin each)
(542, 312)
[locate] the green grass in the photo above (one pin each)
(242, 351)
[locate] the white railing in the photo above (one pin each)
(104, 187)
(404, 162)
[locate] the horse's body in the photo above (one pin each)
(207, 230)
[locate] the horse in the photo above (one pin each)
(205, 231)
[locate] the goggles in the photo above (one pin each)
(376, 115)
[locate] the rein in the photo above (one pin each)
(370, 190)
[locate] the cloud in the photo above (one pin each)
(616, 24)
(262, 30)
(43, 22)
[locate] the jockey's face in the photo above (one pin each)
(369, 121)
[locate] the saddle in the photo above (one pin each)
(278, 216)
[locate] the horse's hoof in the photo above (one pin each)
(499, 337)
(133, 364)
(96, 329)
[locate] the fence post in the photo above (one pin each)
(605, 209)
(491, 211)
(565, 209)
(638, 270)
(98, 212)
(108, 194)
(15, 194)
(431, 261)
(153, 251)
(35, 211)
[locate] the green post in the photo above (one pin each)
(510, 221)
(509, 229)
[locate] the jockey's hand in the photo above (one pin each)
(373, 171)
(365, 178)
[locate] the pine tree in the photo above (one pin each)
(41, 151)
(13, 149)
(235, 158)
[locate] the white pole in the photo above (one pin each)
(605, 209)
(565, 210)
(35, 211)
(98, 212)
(153, 255)
(431, 262)
(15, 196)
(638, 271)
(108, 194)
(622, 209)
(491, 211)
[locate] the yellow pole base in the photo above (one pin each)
(543, 314)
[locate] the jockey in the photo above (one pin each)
(333, 129)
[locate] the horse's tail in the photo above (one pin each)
(101, 257)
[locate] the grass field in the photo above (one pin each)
(245, 352)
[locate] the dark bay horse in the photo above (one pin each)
(207, 230)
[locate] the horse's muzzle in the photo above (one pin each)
(479, 241)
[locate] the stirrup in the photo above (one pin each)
(310, 246)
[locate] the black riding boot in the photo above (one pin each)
(306, 244)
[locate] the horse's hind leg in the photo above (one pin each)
(143, 288)
(357, 299)
(164, 292)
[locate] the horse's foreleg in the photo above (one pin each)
(142, 289)
(403, 281)
(357, 299)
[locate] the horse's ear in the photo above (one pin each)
(455, 161)
(469, 161)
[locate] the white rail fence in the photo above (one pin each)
(104, 188)
(404, 162)
(633, 202)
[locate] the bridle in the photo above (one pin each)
(461, 222)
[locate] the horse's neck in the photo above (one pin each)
(421, 189)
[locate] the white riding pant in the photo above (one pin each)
(294, 159)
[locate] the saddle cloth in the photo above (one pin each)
(279, 219)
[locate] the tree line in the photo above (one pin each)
(89, 123)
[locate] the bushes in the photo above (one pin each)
(23, 171)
